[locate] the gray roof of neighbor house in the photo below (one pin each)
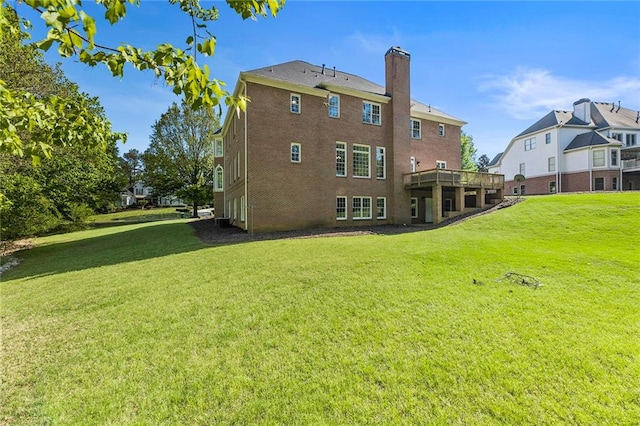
(314, 76)
(553, 119)
(592, 138)
(495, 160)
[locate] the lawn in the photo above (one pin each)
(143, 324)
(135, 216)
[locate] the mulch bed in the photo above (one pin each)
(209, 232)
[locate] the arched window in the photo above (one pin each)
(219, 178)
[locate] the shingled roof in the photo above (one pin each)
(553, 119)
(592, 138)
(313, 76)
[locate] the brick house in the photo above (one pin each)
(318, 147)
(595, 147)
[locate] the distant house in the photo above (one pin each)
(595, 147)
(138, 193)
(319, 147)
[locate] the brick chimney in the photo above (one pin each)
(397, 115)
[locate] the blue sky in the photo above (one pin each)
(497, 65)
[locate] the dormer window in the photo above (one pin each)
(295, 103)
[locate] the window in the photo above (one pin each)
(598, 184)
(412, 164)
(361, 207)
(381, 172)
(614, 157)
(614, 183)
(441, 164)
(522, 169)
(219, 178)
(552, 187)
(441, 130)
(218, 151)
(617, 136)
(414, 207)
(361, 161)
(295, 153)
(416, 129)
(341, 159)
(370, 113)
(334, 106)
(381, 207)
(631, 139)
(341, 208)
(598, 158)
(515, 190)
(521, 189)
(242, 209)
(551, 164)
(529, 144)
(295, 103)
(547, 138)
(235, 208)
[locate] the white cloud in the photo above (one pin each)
(531, 93)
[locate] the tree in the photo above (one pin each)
(132, 165)
(468, 152)
(179, 160)
(483, 163)
(73, 32)
(64, 188)
(39, 108)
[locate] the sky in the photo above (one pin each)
(499, 66)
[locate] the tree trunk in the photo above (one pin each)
(195, 209)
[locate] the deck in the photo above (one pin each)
(453, 178)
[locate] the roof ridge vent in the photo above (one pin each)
(334, 71)
(322, 69)
(613, 106)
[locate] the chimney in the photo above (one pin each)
(396, 122)
(582, 110)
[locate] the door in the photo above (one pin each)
(428, 211)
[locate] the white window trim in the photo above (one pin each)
(530, 144)
(329, 105)
(414, 201)
(593, 158)
(555, 189)
(218, 148)
(218, 183)
(379, 123)
(547, 138)
(368, 176)
(549, 168)
(384, 213)
(522, 168)
(441, 130)
(295, 144)
(361, 208)
(291, 103)
(615, 154)
(346, 208)
(415, 120)
(412, 164)
(384, 162)
(343, 147)
(439, 162)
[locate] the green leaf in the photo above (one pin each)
(45, 44)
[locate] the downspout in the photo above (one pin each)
(246, 164)
(590, 159)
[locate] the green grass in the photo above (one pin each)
(135, 216)
(142, 324)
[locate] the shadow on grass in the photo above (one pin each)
(147, 241)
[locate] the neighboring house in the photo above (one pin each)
(318, 147)
(138, 193)
(595, 147)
